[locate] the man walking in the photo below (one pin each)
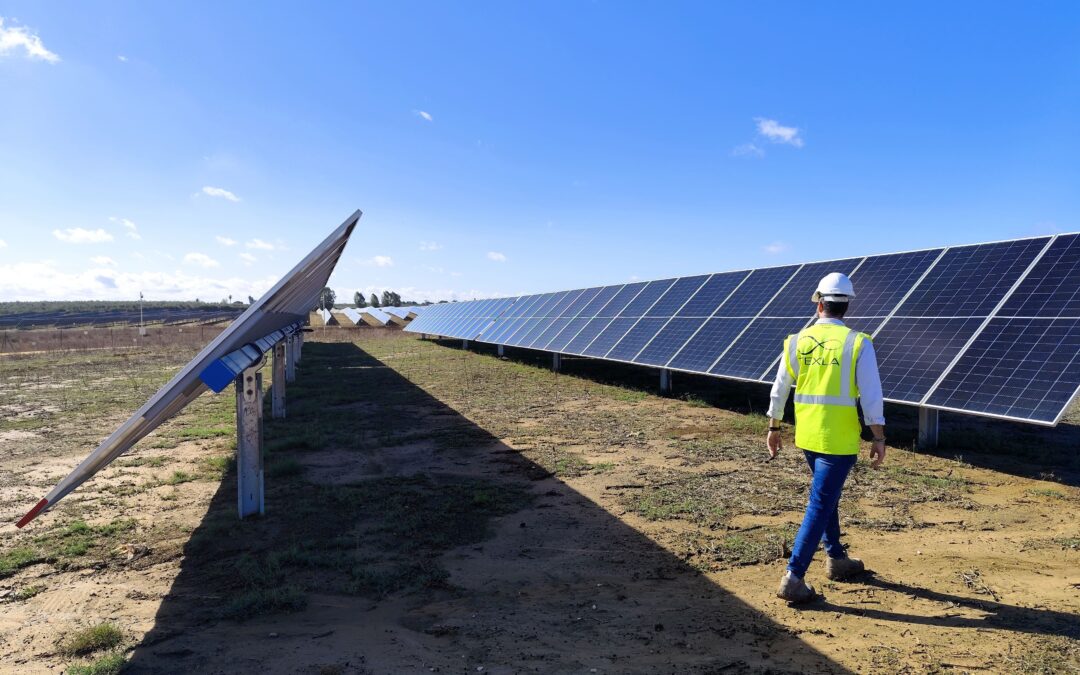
(831, 367)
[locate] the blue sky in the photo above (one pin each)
(200, 149)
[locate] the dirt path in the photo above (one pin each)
(431, 510)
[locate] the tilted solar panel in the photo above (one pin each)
(988, 329)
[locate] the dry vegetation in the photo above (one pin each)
(432, 508)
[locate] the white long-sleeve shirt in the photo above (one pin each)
(867, 379)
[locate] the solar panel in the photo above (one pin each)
(971, 280)
(760, 345)
(939, 318)
(1053, 286)
(1020, 368)
(913, 352)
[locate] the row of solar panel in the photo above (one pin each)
(923, 308)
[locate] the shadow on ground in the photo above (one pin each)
(400, 537)
(1025, 450)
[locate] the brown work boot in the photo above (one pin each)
(841, 569)
(795, 590)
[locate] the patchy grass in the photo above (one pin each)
(178, 477)
(110, 664)
(753, 546)
(154, 462)
(17, 558)
(27, 592)
(1047, 492)
(259, 601)
(97, 638)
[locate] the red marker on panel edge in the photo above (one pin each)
(32, 513)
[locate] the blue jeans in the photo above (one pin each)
(822, 521)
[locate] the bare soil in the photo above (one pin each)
(436, 510)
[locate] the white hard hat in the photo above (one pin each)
(834, 287)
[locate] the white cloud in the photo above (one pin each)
(379, 261)
(247, 258)
(201, 259)
(103, 260)
(130, 229)
(225, 241)
(260, 244)
(121, 58)
(421, 294)
(775, 247)
(430, 246)
(49, 281)
(77, 235)
(425, 115)
(496, 256)
(3, 244)
(220, 192)
(15, 38)
(778, 133)
(747, 150)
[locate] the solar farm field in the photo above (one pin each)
(434, 509)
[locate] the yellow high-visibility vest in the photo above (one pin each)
(821, 359)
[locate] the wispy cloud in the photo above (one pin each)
(775, 247)
(260, 245)
(247, 258)
(121, 58)
(430, 246)
(225, 241)
(103, 260)
(3, 244)
(202, 260)
(747, 150)
(220, 192)
(15, 39)
(129, 227)
(77, 235)
(423, 114)
(496, 256)
(778, 133)
(379, 261)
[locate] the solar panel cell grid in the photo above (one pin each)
(714, 292)
(676, 296)
(602, 298)
(1052, 288)
(607, 338)
(794, 299)
(635, 339)
(587, 334)
(579, 303)
(563, 337)
(699, 353)
(753, 353)
(668, 341)
(971, 280)
(913, 353)
(646, 298)
(882, 280)
(757, 290)
(623, 298)
(1026, 368)
(553, 329)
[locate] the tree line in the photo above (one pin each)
(328, 300)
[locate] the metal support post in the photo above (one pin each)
(502, 350)
(299, 346)
(249, 461)
(277, 384)
(290, 358)
(665, 380)
(928, 428)
(556, 362)
(464, 344)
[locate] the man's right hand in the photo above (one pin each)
(774, 443)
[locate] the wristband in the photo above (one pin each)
(774, 428)
(878, 440)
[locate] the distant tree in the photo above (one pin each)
(387, 299)
(251, 300)
(374, 301)
(358, 299)
(326, 298)
(396, 299)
